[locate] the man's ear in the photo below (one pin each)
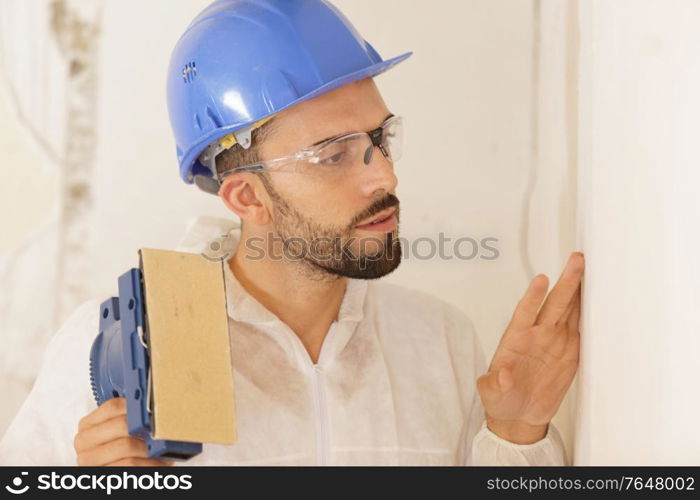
(240, 196)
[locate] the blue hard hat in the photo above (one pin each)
(241, 61)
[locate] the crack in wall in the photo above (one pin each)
(534, 141)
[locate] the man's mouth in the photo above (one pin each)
(386, 218)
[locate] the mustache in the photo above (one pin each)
(378, 206)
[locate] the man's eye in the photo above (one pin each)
(334, 159)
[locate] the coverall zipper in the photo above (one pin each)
(321, 406)
(321, 418)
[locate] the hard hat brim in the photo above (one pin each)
(369, 71)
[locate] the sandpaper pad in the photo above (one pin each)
(187, 334)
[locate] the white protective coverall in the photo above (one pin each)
(395, 384)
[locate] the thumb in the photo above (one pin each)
(495, 382)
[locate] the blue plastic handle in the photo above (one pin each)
(119, 366)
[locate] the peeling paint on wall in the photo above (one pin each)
(77, 37)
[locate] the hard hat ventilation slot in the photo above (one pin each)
(213, 117)
(189, 72)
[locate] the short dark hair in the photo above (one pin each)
(237, 156)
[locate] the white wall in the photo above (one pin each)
(471, 95)
(639, 215)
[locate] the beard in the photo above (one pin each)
(333, 251)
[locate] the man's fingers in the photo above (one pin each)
(96, 435)
(573, 319)
(570, 308)
(107, 410)
(559, 298)
(140, 462)
(526, 311)
(123, 447)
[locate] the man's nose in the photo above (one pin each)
(378, 173)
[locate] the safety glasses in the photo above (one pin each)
(336, 156)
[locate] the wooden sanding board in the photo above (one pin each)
(188, 342)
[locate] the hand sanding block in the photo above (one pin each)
(163, 345)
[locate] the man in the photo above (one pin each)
(331, 365)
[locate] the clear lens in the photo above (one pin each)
(344, 152)
(392, 139)
(348, 151)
